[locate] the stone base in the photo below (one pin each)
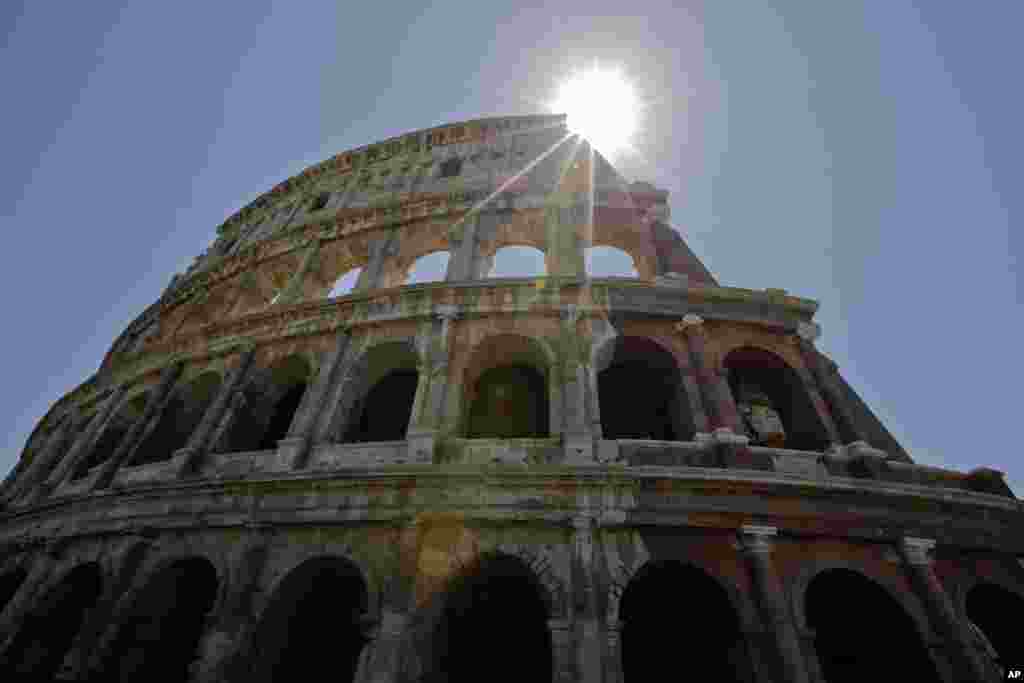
(421, 447)
(579, 450)
(291, 451)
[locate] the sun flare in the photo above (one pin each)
(601, 107)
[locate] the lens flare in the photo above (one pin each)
(601, 107)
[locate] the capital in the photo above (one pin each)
(757, 538)
(691, 322)
(917, 550)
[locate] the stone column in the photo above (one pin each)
(222, 652)
(155, 404)
(189, 458)
(578, 438)
(757, 542)
(85, 442)
(613, 660)
(588, 653)
(966, 660)
(380, 249)
(824, 373)
(714, 386)
(462, 238)
(562, 665)
(381, 656)
(432, 389)
(293, 451)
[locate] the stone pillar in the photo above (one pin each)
(292, 291)
(588, 651)
(381, 656)
(380, 249)
(432, 389)
(578, 438)
(85, 442)
(222, 648)
(46, 458)
(820, 407)
(191, 456)
(462, 238)
(613, 653)
(293, 451)
(562, 665)
(155, 405)
(824, 373)
(714, 386)
(757, 542)
(966, 660)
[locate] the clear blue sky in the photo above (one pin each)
(864, 154)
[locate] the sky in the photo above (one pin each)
(867, 155)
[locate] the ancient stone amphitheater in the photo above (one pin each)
(308, 459)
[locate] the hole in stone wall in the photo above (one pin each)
(862, 633)
(773, 402)
(491, 606)
(159, 637)
(383, 414)
(518, 261)
(179, 419)
(112, 435)
(509, 402)
(429, 268)
(607, 261)
(346, 283)
(641, 394)
(995, 611)
(709, 647)
(270, 399)
(311, 625)
(48, 630)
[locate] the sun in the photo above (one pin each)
(601, 107)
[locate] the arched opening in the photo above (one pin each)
(992, 609)
(862, 633)
(488, 609)
(429, 268)
(346, 284)
(271, 398)
(605, 261)
(518, 261)
(507, 389)
(773, 402)
(48, 631)
(10, 582)
(115, 431)
(388, 380)
(710, 646)
(641, 394)
(179, 419)
(159, 637)
(312, 625)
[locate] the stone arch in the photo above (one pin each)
(179, 418)
(773, 401)
(661, 410)
(346, 283)
(495, 600)
(48, 630)
(990, 606)
(381, 391)
(861, 632)
(270, 399)
(425, 239)
(539, 562)
(120, 421)
(290, 640)
(508, 376)
(158, 634)
(621, 229)
(608, 261)
(430, 267)
(504, 262)
(715, 645)
(339, 268)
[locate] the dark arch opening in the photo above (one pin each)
(179, 419)
(708, 644)
(115, 431)
(995, 611)
(641, 395)
(271, 399)
(763, 385)
(497, 605)
(10, 582)
(862, 633)
(312, 625)
(383, 414)
(511, 401)
(159, 637)
(48, 631)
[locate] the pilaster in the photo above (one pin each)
(432, 387)
(462, 237)
(381, 249)
(84, 443)
(718, 403)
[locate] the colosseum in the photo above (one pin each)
(361, 420)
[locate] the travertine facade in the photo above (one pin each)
(562, 477)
